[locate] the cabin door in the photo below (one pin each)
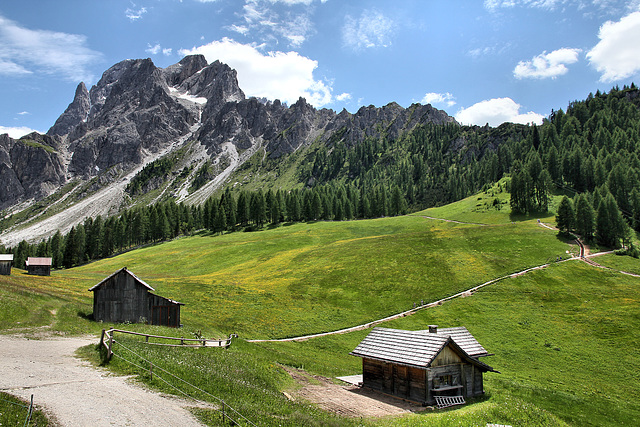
(165, 315)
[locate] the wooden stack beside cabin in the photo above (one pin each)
(6, 261)
(420, 365)
(39, 266)
(123, 297)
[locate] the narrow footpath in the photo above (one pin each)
(583, 256)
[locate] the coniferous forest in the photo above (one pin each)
(589, 153)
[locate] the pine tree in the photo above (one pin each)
(585, 217)
(57, 244)
(635, 208)
(565, 219)
(610, 226)
(243, 208)
(257, 208)
(68, 259)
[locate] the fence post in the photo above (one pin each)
(151, 370)
(26, 422)
(109, 352)
(223, 415)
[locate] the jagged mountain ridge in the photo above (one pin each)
(138, 112)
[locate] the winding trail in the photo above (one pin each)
(468, 292)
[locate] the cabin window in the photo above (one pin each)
(447, 380)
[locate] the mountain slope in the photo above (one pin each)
(137, 113)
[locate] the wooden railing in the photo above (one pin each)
(107, 340)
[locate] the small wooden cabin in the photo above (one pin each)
(422, 365)
(123, 297)
(6, 261)
(39, 266)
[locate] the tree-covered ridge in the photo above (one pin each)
(432, 165)
(591, 153)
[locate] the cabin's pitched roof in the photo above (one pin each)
(142, 282)
(418, 348)
(37, 261)
(464, 339)
(6, 257)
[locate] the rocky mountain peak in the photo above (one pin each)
(75, 113)
(138, 113)
(176, 74)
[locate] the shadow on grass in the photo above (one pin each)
(519, 217)
(85, 315)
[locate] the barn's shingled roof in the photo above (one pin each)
(142, 282)
(31, 261)
(419, 348)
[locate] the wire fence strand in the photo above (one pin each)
(225, 405)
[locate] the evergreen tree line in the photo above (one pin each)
(592, 150)
(98, 238)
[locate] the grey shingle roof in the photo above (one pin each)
(417, 348)
(142, 282)
(464, 339)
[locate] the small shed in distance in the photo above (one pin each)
(39, 266)
(6, 261)
(423, 366)
(123, 297)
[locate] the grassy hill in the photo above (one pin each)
(563, 336)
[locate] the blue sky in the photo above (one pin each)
(481, 61)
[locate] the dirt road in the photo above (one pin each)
(77, 394)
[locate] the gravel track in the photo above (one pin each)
(74, 393)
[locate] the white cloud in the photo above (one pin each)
(495, 112)
(439, 98)
(16, 132)
(24, 51)
(540, 4)
(153, 50)
(240, 29)
(24, 113)
(547, 65)
(372, 29)
(8, 68)
(617, 53)
(343, 97)
(260, 18)
(274, 75)
(156, 49)
(133, 14)
(588, 8)
(292, 2)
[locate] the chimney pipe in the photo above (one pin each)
(433, 329)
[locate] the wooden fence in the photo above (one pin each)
(107, 339)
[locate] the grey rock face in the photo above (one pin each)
(137, 109)
(29, 168)
(75, 113)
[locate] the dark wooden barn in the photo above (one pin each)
(423, 366)
(123, 297)
(39, 266)
(6, 261)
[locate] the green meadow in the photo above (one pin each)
(564, 337)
